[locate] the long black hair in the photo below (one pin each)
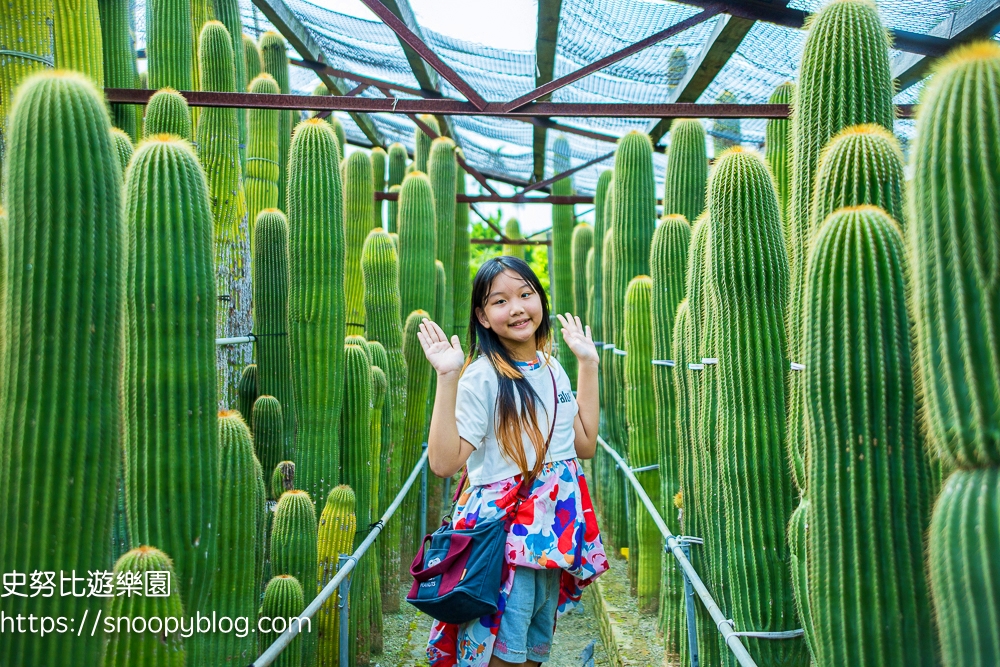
(510, 422)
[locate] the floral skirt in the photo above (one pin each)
(555, 528)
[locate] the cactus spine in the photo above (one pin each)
(416, 244)
(167, 113)
(583, 240)
(228, 13)
(337, 527)
(268, 434)
(26, 28)
(246, 392)
(252, 59)
(418, 382)
(953, 228)
(378, 181)
(441, 168)
(397, 171)
(358, 215)
(461, 282)
(640, 410)
(513, 231)
(316, 303)
(275, 57)
(60, 405)
(777, 150)
(832, 93)
(123, 148)
(147, 648)
(293, 551)
(381, 286)
(686, 177)
(561, 271)
(422, 144)
(261, 177)
(668, 264)
(170, 44)
(77, 36)
(117, 19)
(283, 598)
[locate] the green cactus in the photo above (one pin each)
(25, 29)
(241, 507)
(357, 459)
(668, 264)
(416, 244)
(131, 647)
(378, 587)
(614, 499)
(379, 265)
(595, 312)
(60, 407)
(512, 230)
(293, 551)
(749, 284)
(418, 382)
(270, 310)
(273, 51)
(798, 538)
(337, 527)
(76, 36)
(227, 12)
(283, 478)
(588, 273)
(561, 271)
(253, 61)
(123, 148)
(378, 158)
(461, 282)
(725, 131)
(283, 598)
(778, 150)
(218, 150)
(953, 222)
(583, 240)
(640, 411)
(338, 129)
(246, 392)
(170, 44)
(358, 215)
(677, 68)
(269, 435)
(261, 177)
(380, 385)
(202, 11)
(316, 303)
(422, 144)
(397, 171)
(167, 113)
(832, 93)
(686, 177)
(442, 167)
(117, 29)
(858, 356)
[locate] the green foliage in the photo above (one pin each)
(261, 178)
(337, 527)
(117, 19)
(686, 177)
(358, 216)
(283, 599)
(512, 230)
(170, 44)
(167, 113)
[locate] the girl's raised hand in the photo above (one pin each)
(578, 337)
(446, 357)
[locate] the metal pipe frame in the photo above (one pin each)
(501, 199)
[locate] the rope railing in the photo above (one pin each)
(281, 643)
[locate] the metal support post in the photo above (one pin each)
(345, 610)
(423, 498)
(689, 605)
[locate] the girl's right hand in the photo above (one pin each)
(445, 357)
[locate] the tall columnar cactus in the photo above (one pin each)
(338, 130)
(252, 59)
(260, 180)
(156, 649)
(778, 150)
(668, 265)
(380, 385)
(461, 282)
(512, 230)
(867, 475)
(283, 598)
(283, 478)
(202, 11)
(218, 150)
(441, 168)
(227, 12)
(953, 221)
(381, 291)
(833, 93)
(418, 382)
(596, 313)
(167, 113)
(422, 144)
(234, 592)
(60, 408)
(269, 435)
(614, 417)
(640, 411)
(273, 51)
(117, 30)
(270, 309)
(378, 583)
(293, 551)
(246, 392)
(416, 244)
(76, 34)
(337, 527)
(397, 171)
(123, 148)
(583, 240)
(378, 158)
(358, 216)
(798, 539)
(749, 285)
(316, 303)
(561, 271)
(170, 45)
(725, 131)
(686, 177)
(356, 455)
(170, 354)
(26, 40)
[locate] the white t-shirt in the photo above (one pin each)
(475, 411)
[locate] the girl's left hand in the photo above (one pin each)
(578, 338)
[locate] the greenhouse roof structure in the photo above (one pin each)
(586, 52)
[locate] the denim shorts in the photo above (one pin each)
(530, 616)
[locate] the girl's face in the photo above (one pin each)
(513, 310)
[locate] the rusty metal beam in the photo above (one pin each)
(472, 171)
(507, 242)
(709, 11)
(425, 76)
(501, 199)
(546, 39)
(565, 174)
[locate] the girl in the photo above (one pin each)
(493, 413)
